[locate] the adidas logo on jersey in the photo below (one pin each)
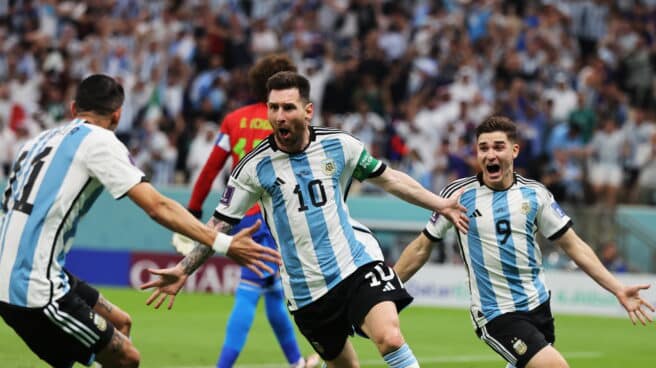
(476, 213)
(388, 287)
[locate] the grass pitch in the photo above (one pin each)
(191, 334)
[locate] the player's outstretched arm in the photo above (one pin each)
(629, 296)
(403, 186)
(414, 256)
(171, 214)
(242, 249)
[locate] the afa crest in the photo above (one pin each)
(519, 346)
(526, 208)
(328, 166)
(100, 322)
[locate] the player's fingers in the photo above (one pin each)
(161, 301)
(152, 297)
(645, 315)
(647, 304)
(171, 302)
(632, 316)
(640, 316)
(255, 270)
(253, 228)
(269, 255)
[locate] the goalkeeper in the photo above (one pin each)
(240, 132)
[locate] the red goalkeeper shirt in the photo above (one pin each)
(240, 132)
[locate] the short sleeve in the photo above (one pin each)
(437, 225)
(240, 194)
(552, 220)
(108, 160)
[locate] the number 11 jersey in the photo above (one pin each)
(55, 179)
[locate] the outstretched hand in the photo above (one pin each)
(246, 252)
(170, 281)
(634, 304)
(455, 212)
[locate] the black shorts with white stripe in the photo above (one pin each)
(63, 332)
(518, 336)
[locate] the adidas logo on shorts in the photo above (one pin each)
(388, 287)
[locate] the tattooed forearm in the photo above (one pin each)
(196, 257)
(201, 253)
(104, 304)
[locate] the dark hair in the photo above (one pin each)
(100, 94)
(264, 69)
(498, 123)
(289, 80)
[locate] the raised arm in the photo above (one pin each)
(629, 296)
(414, 256)
(408, 189)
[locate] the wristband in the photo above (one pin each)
(222, 243)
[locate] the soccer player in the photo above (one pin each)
(54, 181)
(510, 305)
(333, 273)
(240, 132)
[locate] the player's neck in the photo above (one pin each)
(95, 119)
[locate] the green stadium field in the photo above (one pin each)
(190, 336)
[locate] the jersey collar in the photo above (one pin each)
(479, 176)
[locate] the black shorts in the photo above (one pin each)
(65, 331)
(518, 336)
(328, 321)
(83, 290)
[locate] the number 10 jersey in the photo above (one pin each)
(303, 200)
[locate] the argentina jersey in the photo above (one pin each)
(302, 196)
(500, 250)
(54, 180)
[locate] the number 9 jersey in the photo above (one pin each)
(303, 200)
(54, 180)
(500, 250)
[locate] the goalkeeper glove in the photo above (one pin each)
(182, 243)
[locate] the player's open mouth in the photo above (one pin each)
(493, 169)
(284, 133)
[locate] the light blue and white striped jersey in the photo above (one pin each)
(302, 196)
(55, 179)
(500, 252)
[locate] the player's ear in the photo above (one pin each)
(73, 108)
(309, 111)
(515, 149)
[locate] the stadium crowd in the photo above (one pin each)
(409, 78)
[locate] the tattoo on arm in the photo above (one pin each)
(105, 304)
(201, 253)
(116, 345)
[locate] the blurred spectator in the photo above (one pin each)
(611, 259)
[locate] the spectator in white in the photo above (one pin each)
(394, 40)
(564, 98)
(157, 154)
(264, 40)
(647, 178)
(317, 72)
(6, 148)
(200, 149)
(606, 151)
(464, 88)
(367, 125)
(637, 132)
